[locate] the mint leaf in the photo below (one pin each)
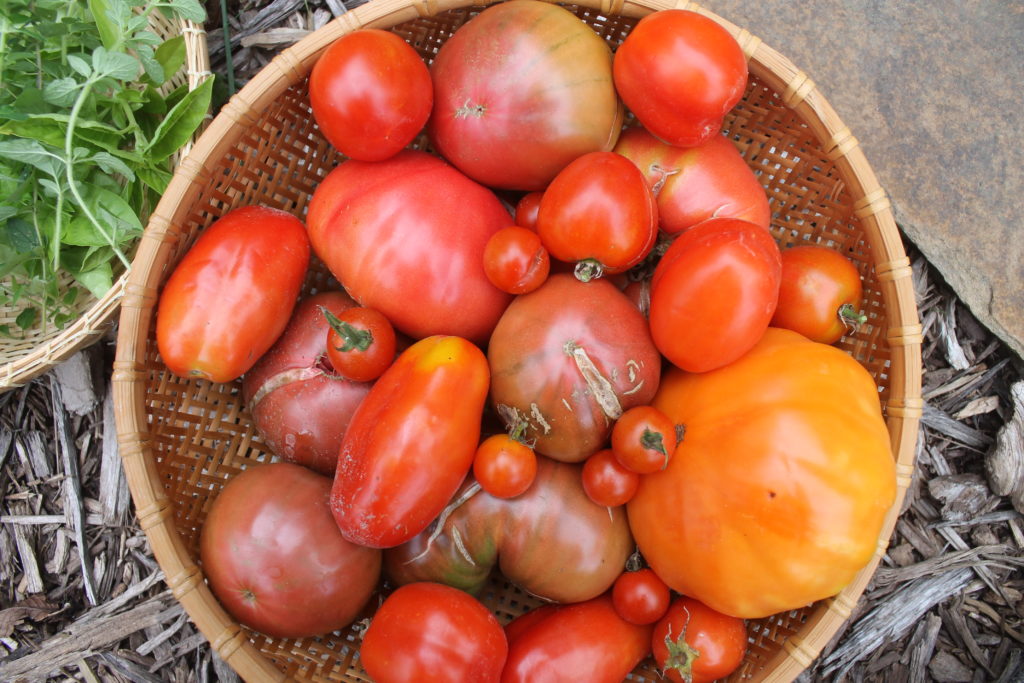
(171, 54)
(110, 32)
(108, 163)
(21, 235)
(61, 92)
(117, 65)
(98, 281)
(181, 122)
(27, 318)
(189, 9)
(79, 65)
(33, 153)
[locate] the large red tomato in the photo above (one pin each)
(406, 236)
(777, 492)
(521, 90)
(219, 312)
(693, 184)
(680, 73)
(275, 559)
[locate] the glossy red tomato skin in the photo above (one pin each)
(606, 481)
(817, 282)
(410, 443)
(714, 293)
(435, 634)
(521, 90)
(693, 184)
(640, 597)
(406, 236)
(599, 208)
(300, 406)
(362, 364)
(718, 641)
(515, 260)
(275, 559)
(643, 439)
(527, 209)
(680, 73)
(504, 467)
(370, 94)
(218, 312)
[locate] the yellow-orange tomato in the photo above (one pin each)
(777, 492)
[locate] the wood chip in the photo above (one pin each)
(1004, 464)
(978, 406)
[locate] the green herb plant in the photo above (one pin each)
(86, 139)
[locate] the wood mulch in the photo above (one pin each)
(84, 600)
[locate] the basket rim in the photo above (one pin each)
(903, 407)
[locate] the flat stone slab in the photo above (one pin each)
(933, 91)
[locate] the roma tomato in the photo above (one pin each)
(599, 213)
(275, 559)
(515, 260)
(360, 343)
(640, 597)
(820, 294)
(693, 184)
(606, 481)
(695, 644)
(429, 633)
(406, 236)
(526, 210)
(370, 94)
(643, 439)
(504, 466)
(521, 90)
(714, 292)
(568, 359)
(219, 312)
(778, 490)
(411, 442)
(301, 407)
(680, 73)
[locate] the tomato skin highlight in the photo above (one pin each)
(218, 312)
(640, 597)
(715, 643)
(820, 295)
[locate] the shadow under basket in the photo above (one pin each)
(181, 440)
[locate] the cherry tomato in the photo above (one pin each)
(820, 294)
(430, 633)
(504, 466)
(599, 213)
(360, 343)
(640, 597)
(695, 644)
(515, 261)
(606, 481)
(643, 439)
(526, 210)
(370, 94)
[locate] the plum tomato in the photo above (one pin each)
(695, 644)
(606, 481)
(640, 597)
(360, 343)
(820, 294)
(643, 439)
(515, 261)
(504, 466)
(526, 210)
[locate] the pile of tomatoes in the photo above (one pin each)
(621, 394)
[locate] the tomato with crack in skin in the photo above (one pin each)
(820, 294)
(693, 643)
(515, 260)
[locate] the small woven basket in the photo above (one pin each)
(44, 345)
(181, 440)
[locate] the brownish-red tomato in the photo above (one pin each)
(515, 260)
(695, 644)
(411, 442)
(219, 312)
(680, 73)
(606, 481)
(600, 214)
(820, 294)
(504, 466)
(360, 343)
(430, 633)
(693, 184)
(640, 597)
(370, 94)
(275, 559)
(643, 439)
(526, 210)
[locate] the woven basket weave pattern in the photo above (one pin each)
(181, 440)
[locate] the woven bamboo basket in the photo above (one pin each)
(181, 440)
(44, 345)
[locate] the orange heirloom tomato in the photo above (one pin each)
(777, 492)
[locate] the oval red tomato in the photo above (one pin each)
(360, 343)
(695, 644)
(820, 294)
(515, 260)
(640, 597)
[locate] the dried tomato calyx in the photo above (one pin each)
(681, 655)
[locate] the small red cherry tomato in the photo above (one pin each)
(640, 597)
(527, 208)
(606, 481)
(820, 294)
(697, 644)
(515, 261)
(600, 213)
(360, 343)
(643, 439)
(504, 466)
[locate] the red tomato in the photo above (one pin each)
(693, 184)
(640, 597)
(370, 94)
(521, 90)
(643, 439)
(275, 559)
(606, 481)
(427, 633)
(411, 442)
(504, 466)
(714, 292)
(585, 641)
(526, 210)
(695, 644)
(300, 406)
(515, 260)
(599, 213)
(406, 236)
(820, 294)
(680, 73)
(219, 312)
(360, 344)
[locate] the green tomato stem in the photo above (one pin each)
(588, 269)
(354, 338)
(850, 317)
(681, 655)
